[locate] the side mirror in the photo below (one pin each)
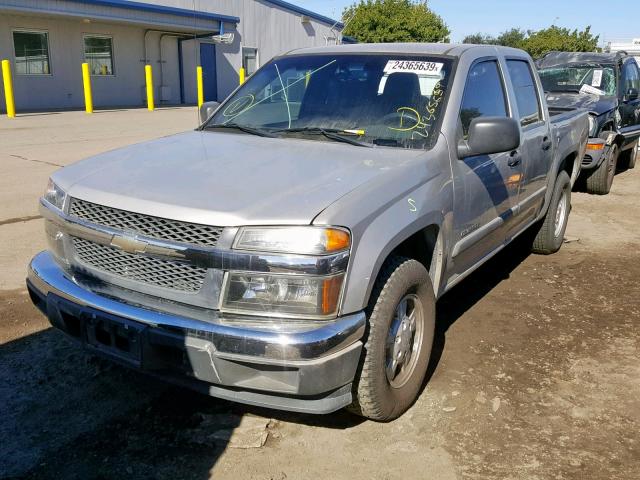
(490, 135)
(207, 109)
(631, 95)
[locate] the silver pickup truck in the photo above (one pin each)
(289, 252)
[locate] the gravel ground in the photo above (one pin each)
(535, 373)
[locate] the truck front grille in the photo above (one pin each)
(155, 227)
(149, 270)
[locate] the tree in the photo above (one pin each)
(512, 38)
(480, 39)
(374, 21)
(540, 42)
(561, 39)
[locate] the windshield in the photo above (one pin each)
(594, 79)
(386, 100)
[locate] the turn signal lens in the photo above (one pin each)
(595, 146)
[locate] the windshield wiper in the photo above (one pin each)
(339, 135)
(242, 128)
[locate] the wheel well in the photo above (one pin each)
(419, 246)
(568, 164)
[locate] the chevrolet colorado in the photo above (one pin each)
(289, 252)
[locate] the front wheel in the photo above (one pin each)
(551, 234)
(600, 180)
(399, 341)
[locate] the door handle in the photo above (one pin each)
(514, 159)
(546, 144)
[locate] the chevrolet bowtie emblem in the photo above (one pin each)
(129, 244)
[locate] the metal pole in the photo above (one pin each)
(8, 89)
(149, 78)
(86, 82)
(242, 75)
(200, 86)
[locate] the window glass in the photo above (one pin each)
(631, 77)
(525, 91)
(483, 94)
(573, 77)
(98, 53)
(250, 60)
(384, 100)
(32, 53)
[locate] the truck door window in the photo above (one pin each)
(631, 77)
(483, 94)
(526, 92)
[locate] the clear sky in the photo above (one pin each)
(619, 20)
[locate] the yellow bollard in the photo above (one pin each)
(242, 72)
(200, 86)
(8, 89)
(86, 81)
(149, 79)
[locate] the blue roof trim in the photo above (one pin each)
(304, 11)
(147, 7)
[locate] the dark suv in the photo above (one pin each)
(607, 85)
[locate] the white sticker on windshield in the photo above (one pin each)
(588, 89)
(411, 66)
(596, 81)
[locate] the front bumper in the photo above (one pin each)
(306, 371)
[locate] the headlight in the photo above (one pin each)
(55, 195)
(593, 126)
(282, 295)
(293, 240)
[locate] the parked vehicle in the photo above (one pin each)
(289, 252)
(607, 85)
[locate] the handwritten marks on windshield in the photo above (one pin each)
(421, 122)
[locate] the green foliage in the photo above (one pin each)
(374, 21)
(480, 39)
(540, 42)
(512, 38)
(561, 39)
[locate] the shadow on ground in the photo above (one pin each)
(70, 415)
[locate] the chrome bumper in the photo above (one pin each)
(308, 371)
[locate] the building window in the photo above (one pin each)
(32, 53)
(249, 60)
(98, 53)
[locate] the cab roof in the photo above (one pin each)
(555, 59)
(450, 49)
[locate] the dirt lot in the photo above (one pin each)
(536, 373)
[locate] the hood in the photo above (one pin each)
(228, 179)
(597, 104)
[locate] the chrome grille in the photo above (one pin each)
(149, 270)
(155, 227)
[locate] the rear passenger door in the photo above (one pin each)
(536, 150)
(486, 186)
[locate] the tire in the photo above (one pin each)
(627, 159)
(600, 181)
(549, 238)
(382, 393)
